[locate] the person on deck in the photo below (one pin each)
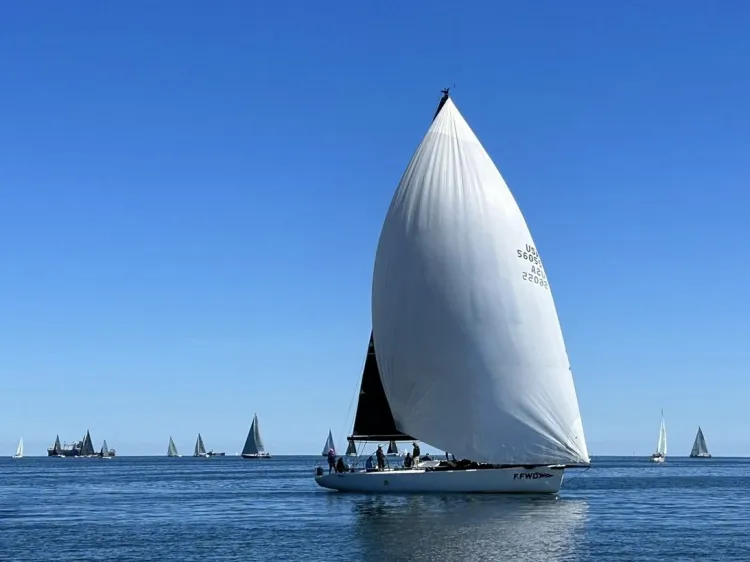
(407, 460)
(331, 461)
(415, 452)
(340, 465)
(381, 458)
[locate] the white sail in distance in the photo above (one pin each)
(329, 444)
(661, 444)
(172, 449)
(467, 338)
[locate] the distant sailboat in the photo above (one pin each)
(351, 449)
(172, 449)
(700, 451)
(19, 450)
(393, 450)
(329, 444)
(87, 449)
(104, 453)
(661, 445)
(56, 449)
(253, 448)
(200, 449)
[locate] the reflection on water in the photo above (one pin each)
(470, 527)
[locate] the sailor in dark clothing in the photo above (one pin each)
(407, 460)
(331, 461)
(340, 465)
(415, 452)
(381, 458)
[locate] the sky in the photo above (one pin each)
(191, 197)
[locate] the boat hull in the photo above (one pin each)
(701, 456)
(541, 480)
(658, 459)
(258, 456)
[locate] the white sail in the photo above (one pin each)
(19, 449)
(172, 449)
(467, 338)
(661, 444)
(329, 444)
(699, 445)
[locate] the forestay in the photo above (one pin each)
(467, 338)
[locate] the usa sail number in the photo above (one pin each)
(537, 276)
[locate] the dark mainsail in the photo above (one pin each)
(87, 449)
(374, 420)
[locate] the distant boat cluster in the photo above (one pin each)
(351, 450)
(82, 448)
(699, 450)
(253, 448)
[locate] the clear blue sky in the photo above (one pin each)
(191, 197)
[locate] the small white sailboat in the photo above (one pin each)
(254, 448)
(700, 450)
(200, 448)
(661, 445)
(172, 449)
(465, 335)
(329, 444)
(19, 450)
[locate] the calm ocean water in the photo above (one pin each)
(229, 509)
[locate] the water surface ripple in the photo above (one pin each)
(229, 509)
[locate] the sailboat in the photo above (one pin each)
(87, 447)
(200, 449)
(467, 351)
(253, 448)
(19, 450)
(172, 449)
(56, 450)
(329, 444)
(351, 449)
(393, 449)
(661, 445)
(699, 450)
(104, 452)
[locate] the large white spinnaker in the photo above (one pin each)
(467, 338)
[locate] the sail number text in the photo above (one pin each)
(537, 276)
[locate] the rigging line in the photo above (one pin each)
(354, 395)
